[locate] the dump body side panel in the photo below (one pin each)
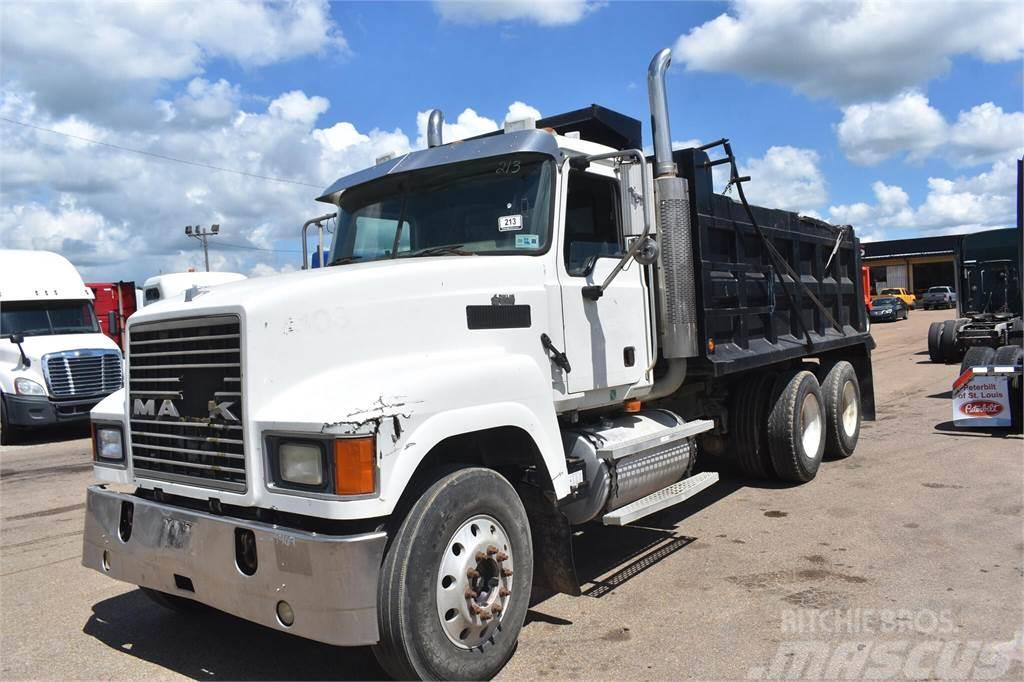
(748, 317)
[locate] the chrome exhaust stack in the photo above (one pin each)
(676, 277)
(435, 123)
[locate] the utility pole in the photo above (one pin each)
(201, 234)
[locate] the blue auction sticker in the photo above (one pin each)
(527, 241)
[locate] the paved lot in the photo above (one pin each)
(911, 549)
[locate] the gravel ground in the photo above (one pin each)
(903, 561)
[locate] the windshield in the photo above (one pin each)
(894, 292)
(497, 205)
(939, 290)
(41, 318)
(886, 301)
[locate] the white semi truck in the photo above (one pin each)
(517, 334)
(55, 363)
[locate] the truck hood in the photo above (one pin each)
(38, 346)
(361, 323)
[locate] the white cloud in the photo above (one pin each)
(909, 124)
(89, 57)
(852, 51)
(785, 177)
(963, 204)
(542, 12)
(520, 110)
(296, 106)
(119, 215)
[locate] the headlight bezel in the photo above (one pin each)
(275, 471)
(333, 463)
(21, 383)
(102, 427)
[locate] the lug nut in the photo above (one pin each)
(470, 594)
(504, 592)
(496, 609)
(480, 556)
(475, 608)
(502, 556)
(492, 550)
(473, 573)
(507, 572)
(485, 616)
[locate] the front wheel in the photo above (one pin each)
(456, 580)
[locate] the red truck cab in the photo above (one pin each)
(114, 303)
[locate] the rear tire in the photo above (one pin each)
(947, 342)
(1008, 355)
(841, 392)
(422, 607)
(796, 426)
(975, 356)
(934, 339)
(749, 447)
(1014, 357)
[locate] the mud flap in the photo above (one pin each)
(554, 569)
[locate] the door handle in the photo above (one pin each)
(557, 356)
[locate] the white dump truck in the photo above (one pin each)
(55, 363)
(516, 334)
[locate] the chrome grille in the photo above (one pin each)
(84, 373)
(185, 402)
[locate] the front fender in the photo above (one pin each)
(412, 403)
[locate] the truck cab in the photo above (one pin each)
(171, 285)
(516, 335)
(55, 363)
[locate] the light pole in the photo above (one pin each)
(201, 234)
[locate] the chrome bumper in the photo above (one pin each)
(330, 582)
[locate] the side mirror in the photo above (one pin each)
(17, 339)
(113, 327)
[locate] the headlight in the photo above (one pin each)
(24, 386)
(107, 443)
(301, 463)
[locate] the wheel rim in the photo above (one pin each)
(850, 409)
(474, 581)
(810, 420)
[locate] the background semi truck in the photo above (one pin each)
(517, 335)
(114, 303)
(55, 364)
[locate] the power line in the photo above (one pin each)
(159, 156)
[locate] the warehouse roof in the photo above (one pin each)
(907, 248)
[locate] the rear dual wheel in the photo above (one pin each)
(934, 342)
(796, 427)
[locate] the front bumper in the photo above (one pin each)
(39, 411)
(329, 581)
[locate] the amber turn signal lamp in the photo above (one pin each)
(355, 469)
(711, 345)
(632, 405)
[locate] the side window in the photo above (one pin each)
(591, 221)
(152, 294)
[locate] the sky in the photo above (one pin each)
(900, 118)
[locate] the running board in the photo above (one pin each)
(656, 501)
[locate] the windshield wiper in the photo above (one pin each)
(345, 260)
(452, 249)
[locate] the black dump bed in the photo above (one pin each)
(747, 315)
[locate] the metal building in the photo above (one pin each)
(912, 264)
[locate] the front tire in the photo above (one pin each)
(456, 580)
(8, 434)
(796, 427)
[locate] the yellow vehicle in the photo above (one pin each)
(901, 294)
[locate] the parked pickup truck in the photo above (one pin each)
(938, 297)
(901, 294)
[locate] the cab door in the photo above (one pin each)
(607, 340)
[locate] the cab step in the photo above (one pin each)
(660, 499)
